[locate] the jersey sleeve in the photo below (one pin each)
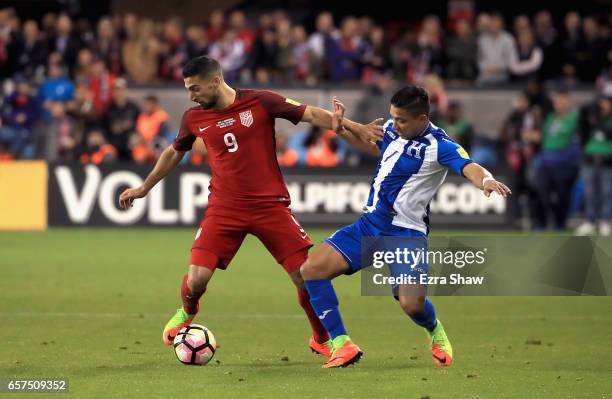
(184, 139)
(452, 155)
(282, 107)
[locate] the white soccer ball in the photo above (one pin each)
(195, 344)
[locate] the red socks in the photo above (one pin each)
(190, 302)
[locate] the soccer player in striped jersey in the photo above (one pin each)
(415, 156)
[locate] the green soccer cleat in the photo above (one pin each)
(441, 348)
(174, 325)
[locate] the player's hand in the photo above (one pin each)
(492, 185)
(127, 197)
(371, 132)
(337, 115)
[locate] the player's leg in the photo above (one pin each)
(288, 242)
(219, 237)
(319, 342)
(414, 303)
(192, 288)
(339, 254)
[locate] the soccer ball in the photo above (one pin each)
(195, 344)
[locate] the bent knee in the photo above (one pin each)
(313, 269)
(412, 305)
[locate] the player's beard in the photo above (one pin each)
(210, 103)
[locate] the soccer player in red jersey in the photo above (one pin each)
(247, 191)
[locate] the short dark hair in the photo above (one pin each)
(152, 99)
(413, 99)
(202, 66)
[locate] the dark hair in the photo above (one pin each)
(202, 66)
(152, 98)
(413, 99)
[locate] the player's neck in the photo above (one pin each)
(227, 96)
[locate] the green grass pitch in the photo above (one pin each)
(89, 305)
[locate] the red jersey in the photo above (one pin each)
(241, 145)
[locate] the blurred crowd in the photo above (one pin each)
(275, 46)
(65, 90)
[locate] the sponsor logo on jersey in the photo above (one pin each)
(391, 134)
(462, 153)
(246, 118)
(292, 102)
(226, 123)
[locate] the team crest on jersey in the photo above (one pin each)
(246, 118)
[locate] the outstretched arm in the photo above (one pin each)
(323, 118)
(484, 180)
(360, 136)
(168, 160)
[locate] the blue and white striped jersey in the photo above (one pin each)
(409, 173)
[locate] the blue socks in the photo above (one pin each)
(325, 304)
(427, 318)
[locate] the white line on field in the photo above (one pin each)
(289, 316)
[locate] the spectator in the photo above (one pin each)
(101, 84)
(596, 171)
(438, 98)
(558, 160)
(97, 151)
(56, 87)
(495, 49)
(592, 54)
(238, 23)
(457, 126)
(229, 51)
(538, 97)
(520, 154)
(429, 57)
(262, 60)
(462, 53)
(301, 55)
(324, 28)
(82, 70)
(107, 45)
(374, 103)
(403, 54)
(141, 53)
(56, 141)
(526, 57)
(572, 43)
(20, 113)
(121, 118)
(173, 52)
(343, 54)
(65, 41)
(216, 26)
(521, 24)
(152, 127)
(285, 155)
(376, 58)
(321, 148)
(9, 42)
(33, 52)
(547, 39)
(197, 43)
(82, 111)
(48, 24)
(285, 61)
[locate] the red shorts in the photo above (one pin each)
(223, 229)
